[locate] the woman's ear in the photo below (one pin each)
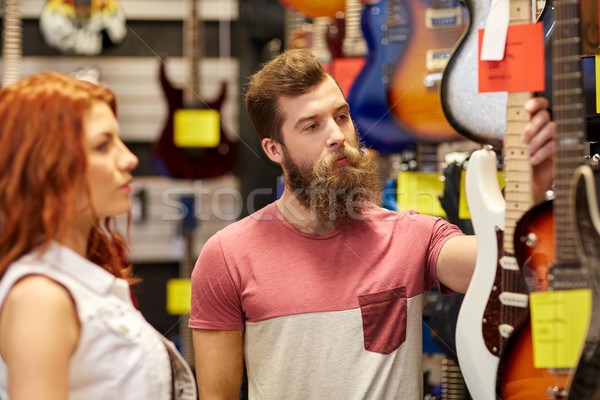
(273, 150)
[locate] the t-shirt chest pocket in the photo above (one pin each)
(384, 319)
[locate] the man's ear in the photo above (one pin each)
(273, 150)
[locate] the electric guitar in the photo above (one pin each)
(386, 33)
(12, 44)
(476, 115)
(484, 328)
(496, 301)
(197, 162)
(545, 245)
(413, 93)
(585, 383)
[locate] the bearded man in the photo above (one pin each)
(320, 294)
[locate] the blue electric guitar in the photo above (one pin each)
(386, 33)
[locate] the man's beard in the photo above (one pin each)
(335, 194)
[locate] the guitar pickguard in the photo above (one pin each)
(507, 306)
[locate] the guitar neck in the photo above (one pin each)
(568, 113)
(11, 51)
(354, 44)
(518, 190)
(319, 43)
(192, 50)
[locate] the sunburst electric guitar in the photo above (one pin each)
(496, 301)
(414, 91)
(544, 239)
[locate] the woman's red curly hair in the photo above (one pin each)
(43, 165)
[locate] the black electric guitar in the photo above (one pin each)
(585, 383)
(191, 162)
(544, 239)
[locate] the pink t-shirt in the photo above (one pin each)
(332, 316)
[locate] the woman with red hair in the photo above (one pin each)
(68, 328)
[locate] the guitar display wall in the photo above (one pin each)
(141, 107)
(156, 9)
(131, 70)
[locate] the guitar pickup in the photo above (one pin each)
(438, 18)
(436, 60)
(509, 263)
(514, 299)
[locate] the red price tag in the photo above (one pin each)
(522, 68)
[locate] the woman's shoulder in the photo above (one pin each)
(38, 303)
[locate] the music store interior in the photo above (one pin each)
(409, 72)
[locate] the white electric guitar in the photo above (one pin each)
(496, 301)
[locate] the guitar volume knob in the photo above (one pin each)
(530, 240)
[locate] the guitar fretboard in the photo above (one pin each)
(569, 114)
(518, 190)
(11, 51)
(354, 44)
(193, 52)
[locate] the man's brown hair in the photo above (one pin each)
(292, 73)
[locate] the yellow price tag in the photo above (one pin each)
(463, 207)
(196, 128)
(559, 325)
(420, 191)
(179, 296)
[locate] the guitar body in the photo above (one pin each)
(520, 379)
(415, 104)
(316, 8)
(367, 96)
(198, 163)
(486, 204)
(477, 116)
(585, 383)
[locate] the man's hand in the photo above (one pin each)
(539, 137)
